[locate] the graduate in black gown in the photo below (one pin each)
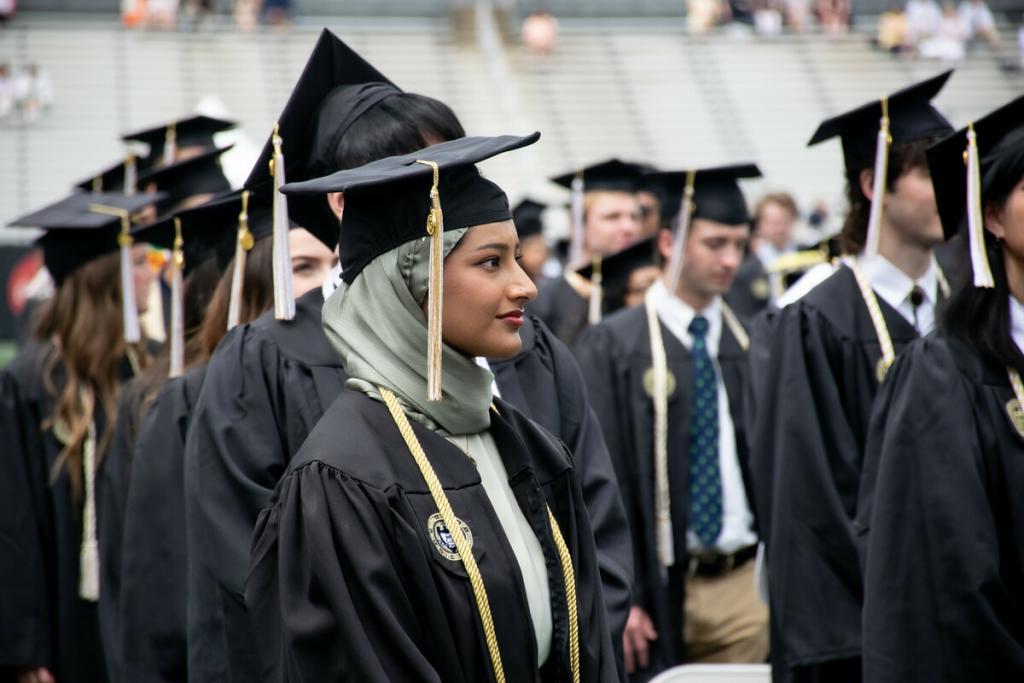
(829, 352)
(944, 468)
(275, 379)
(424, 531)
(606, 218)
(57, 411)
(625, 275)
(621, 359)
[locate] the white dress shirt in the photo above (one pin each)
(737, 519)
(893, 285)
(1017, 322)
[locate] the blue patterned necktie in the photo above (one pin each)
(705, 476)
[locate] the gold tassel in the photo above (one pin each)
(878, 182)
(177, 365)
(129, 309)
(578, 235)
(89, 554)
(170, 144)
(596, 292)
(975, 217)
(131, 175)
(663, 535)
(435, 289)
(284, 292)
(243, 244)
(675, 262)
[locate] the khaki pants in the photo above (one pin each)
(724, 620)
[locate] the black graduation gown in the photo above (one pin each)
(345, 583)
(941, 496)
(43, 622)
(561, 308)
(751, 291)
(154, 562)
(614, 356)
(269, 384)
(806, 451)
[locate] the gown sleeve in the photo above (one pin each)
(936, 605)
(323, 590)
(25, 600)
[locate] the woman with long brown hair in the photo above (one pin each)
(57, 406)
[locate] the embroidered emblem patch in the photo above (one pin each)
(760, 288)
(648, 382)
(1016, 415)
(442, 538)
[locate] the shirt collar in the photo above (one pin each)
(1017, 322)
(893, 285)
(676, 314)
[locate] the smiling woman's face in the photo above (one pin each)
(485, 292)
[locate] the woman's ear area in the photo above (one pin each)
(866, 178)
(336, 200)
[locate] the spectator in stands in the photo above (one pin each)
(979, 22)
(834, 16)
(6, 11)
(540, 32)
(923, 19)
(704, 15)
(798, 13)
(767, 17)
(33, 93)
(893, 34)
(950, 40)
(6, 91)
(278, 12)
(246, 13)
(161, 14)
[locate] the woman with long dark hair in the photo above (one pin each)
(58, 401)
(425, 531)
(940, 497)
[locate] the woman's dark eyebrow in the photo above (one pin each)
(499, 246)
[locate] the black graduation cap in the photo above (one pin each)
(335, 88)
(193, 131)
(911, 118)
(716, 191)
(616, 268)
(528, 217)
(76, 233)
(610, 175)
(387, 201)
(112, 179)
(183, 179)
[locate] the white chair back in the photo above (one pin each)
(716, 673)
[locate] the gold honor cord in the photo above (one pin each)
(659, 394)
(89, 554)
(466, 551)
(877, 319)
(940, 275)
(735, 326)
(596, 292)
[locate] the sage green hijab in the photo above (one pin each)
(377, 326)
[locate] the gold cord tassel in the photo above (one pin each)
(243, 243)
(170, 144)
(675, 263)
(663, 536)
(975, 218)
(878, 182)
(284, 292)
(578, 235)
(435, 288)
(177, 352)
(89, 554)
(131, 175)
(596, 293)
(129, 309)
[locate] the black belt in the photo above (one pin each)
(716, 564)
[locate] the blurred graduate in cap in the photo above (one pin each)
(605, 218)
(668, 381)
(460, 544)
(529, 219)
(58, 401)
(815, 385)
(626, 275)
(944, 468)
(178, 140)
(271, 381)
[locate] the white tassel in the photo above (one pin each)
(284, 293)
(177, 364)
(675, 262)
(129, 309)
(577, 237)
(435, 289)
(89, 555)
(596, 292)
(878, 183)
(243, 243)
(170, 144)
(975, 218)
(131, 175)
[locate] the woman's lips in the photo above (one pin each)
(513, 318)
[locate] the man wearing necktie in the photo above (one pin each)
(667, 380)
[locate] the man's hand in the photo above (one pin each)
(639, 631)
(36, 675)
